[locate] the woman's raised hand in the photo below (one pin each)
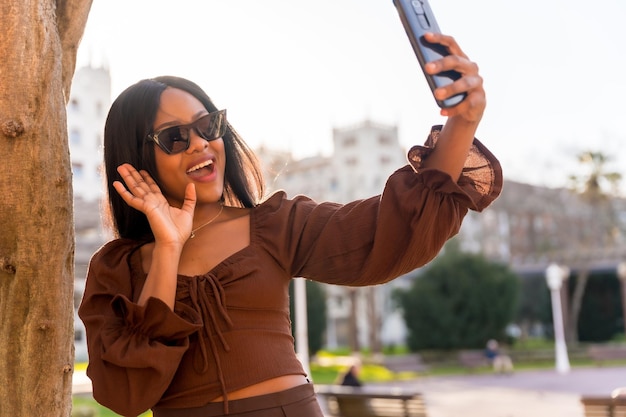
(472, 107)
(169, 224)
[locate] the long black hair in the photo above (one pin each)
(128, 124)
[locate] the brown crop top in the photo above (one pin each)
(230, 327)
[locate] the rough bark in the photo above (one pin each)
(38, 45)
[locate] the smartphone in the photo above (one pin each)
(417, 19)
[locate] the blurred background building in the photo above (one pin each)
(89, 102)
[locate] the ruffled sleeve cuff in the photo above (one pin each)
(481, 178)
(156, 320)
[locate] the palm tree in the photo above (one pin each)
(596, 186)
(592, 186)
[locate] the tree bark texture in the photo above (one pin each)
(38, 44)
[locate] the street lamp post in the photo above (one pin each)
(554, 279)
(302, 328)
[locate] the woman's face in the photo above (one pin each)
(202, 164)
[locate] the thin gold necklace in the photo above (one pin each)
(193, 232)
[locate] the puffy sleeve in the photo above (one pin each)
(134, 350)
(375, 240)
(481, 178)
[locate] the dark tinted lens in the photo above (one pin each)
(212, 126)
(175, 139)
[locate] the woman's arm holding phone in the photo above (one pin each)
(458, 133)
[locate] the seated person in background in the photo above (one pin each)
(357, 406)
(501, 362)
(351, 377)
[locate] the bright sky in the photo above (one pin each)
(288, 71)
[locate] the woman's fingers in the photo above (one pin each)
(448, 41)
(124, 193)
(134, 180)
(189, 204)
(470, 82)
(139, 190)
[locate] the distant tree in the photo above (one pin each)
(601, 319)
(374, 320)
(316, 314)
(534, 303)
(461, 301)
(353, 327)
(595, 185)
(38, 45)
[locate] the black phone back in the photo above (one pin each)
(417, 19)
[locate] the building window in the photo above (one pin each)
(74, 106)
(77, 170)
(385, 160)
(352, 161)
(75, 137)
(349, 142)
(385, 140)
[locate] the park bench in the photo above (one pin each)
(604, 406)
(369, 401)
(603, 353)
(405, 363)
(472, 359)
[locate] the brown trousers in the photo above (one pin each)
(299, 401)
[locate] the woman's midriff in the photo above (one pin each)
(266, 387)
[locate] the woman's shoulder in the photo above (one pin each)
(113, 264)
(280, 212)
(278, 201)
(115, 251)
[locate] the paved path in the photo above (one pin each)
(523, 394)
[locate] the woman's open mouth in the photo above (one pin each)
(203, 169)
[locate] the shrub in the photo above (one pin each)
(461, 301)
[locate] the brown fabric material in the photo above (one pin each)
(300, 401)
(482, 173)
(230, 327)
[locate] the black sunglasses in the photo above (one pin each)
(176, 139)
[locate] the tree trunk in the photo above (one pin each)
(374, 321)
(355, 346)
(38, 45)
(577, 299)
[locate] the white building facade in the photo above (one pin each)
(89, 103)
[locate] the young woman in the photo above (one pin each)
(187, 309)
